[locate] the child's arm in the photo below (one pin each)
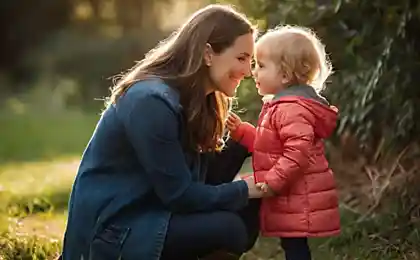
(294, 128)
(242, 132)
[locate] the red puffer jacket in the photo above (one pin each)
(288, 155)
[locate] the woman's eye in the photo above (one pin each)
(242, 59)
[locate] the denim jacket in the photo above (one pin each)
(134, 174)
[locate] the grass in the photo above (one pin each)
(24, 247)
(39, 136)
(33, 211)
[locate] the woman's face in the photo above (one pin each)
(229, 67)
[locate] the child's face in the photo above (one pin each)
(268, 77)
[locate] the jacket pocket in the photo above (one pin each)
(107, 243)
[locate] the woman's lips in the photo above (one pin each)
(235, 79)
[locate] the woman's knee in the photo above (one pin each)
(204, 233)
(231, 232)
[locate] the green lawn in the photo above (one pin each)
(40, 136)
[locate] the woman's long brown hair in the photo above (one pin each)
(178, 61)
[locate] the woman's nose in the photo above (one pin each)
(248, 71)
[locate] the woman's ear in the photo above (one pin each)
(208, 55)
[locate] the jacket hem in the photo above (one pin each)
(301, 234)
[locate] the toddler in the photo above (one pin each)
(288, 158)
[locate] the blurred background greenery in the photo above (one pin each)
(58, 59)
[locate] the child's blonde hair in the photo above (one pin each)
(299, 53)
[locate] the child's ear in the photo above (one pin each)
(286, 77)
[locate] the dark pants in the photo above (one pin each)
(195, 235)
(296, 248)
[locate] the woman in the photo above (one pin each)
(140, 191)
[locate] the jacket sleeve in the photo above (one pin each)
(245, 135)
(152, 127)
(293, 124)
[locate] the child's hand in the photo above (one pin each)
(268, 192)
(262, 186)
(233, 122)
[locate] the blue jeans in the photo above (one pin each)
(190, 236)
(296, 248)
(197, 235)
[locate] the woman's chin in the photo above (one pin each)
(229, 91)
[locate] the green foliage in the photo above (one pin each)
(248, 104)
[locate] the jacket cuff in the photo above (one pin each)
(243, 191)
(238, 134)
(274, 182)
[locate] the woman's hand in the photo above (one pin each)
(253, 191)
